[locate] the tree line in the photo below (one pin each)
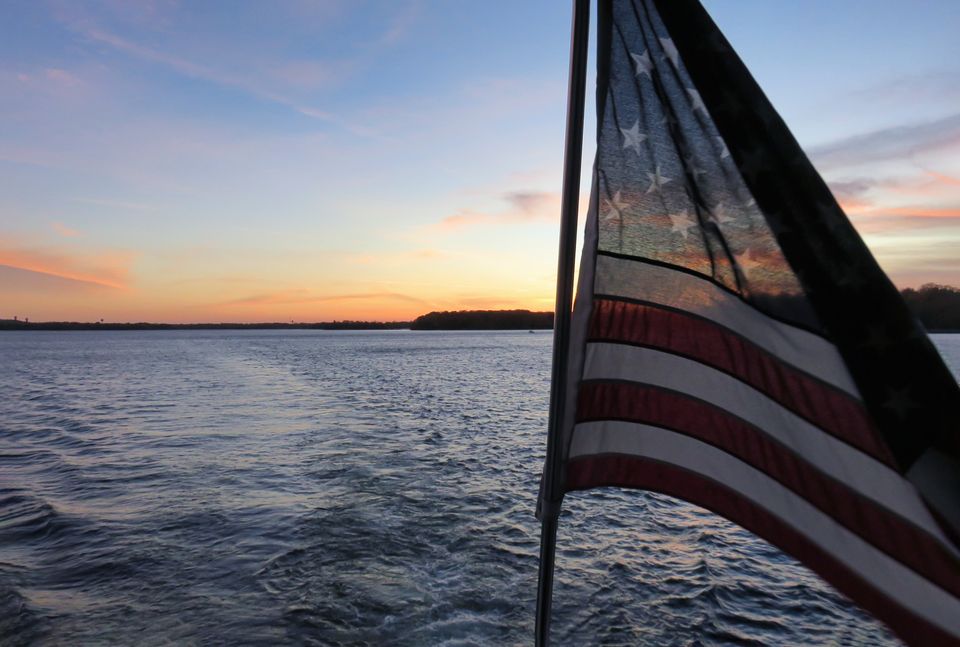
(484, 320)
(937, 306)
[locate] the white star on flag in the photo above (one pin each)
(692, 168)
(656, 180)
(670, 50)
(681, 223)
(746, 263)
(718, 214)
(633, 138)
(617, 205)
(642, 63)
(725, 152)
(696, 100)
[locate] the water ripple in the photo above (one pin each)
(341, 489)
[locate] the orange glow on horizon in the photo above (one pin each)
(43, 296)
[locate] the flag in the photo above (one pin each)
(734, 343)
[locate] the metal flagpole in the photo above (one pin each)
(549, 507)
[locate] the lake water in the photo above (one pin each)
(335, 488)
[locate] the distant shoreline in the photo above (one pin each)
(331, 325)
(447, 320)
(68, 326)
(459, 320)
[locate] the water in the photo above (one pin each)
(306, 487)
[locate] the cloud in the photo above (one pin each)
(851, 194)
(309, 75)
(945, 179)
(137, 206)
(900, 142)
(149, 13)
(929, 194)
(106, 269)
(301, 296)
(906, 221)
(532, 202)
(400, 25)
(195, 70)
(38, 84)
(61, 77)
(259, 69)
(919, 212)
(523, 207)
(63, 230)
(489, 303)
(18, 279)
(929, 87)
(916, 256)
(851, 188)
(414, 255)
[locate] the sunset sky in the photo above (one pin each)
(309, 161)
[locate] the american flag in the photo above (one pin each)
(734, 343)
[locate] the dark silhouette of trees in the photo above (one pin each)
(484, 320)
(937, 306)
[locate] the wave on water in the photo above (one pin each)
(240, 487)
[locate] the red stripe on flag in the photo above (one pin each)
(877, 525)
(699, 339)
(636, 472)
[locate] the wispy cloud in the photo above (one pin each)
(196, 70)
(262, 72)
(61, 77)
(399, 27)
(523, 207)
(18, 280)
(897, 143)
(307, 75)
(919, 212)
(886, 223)
(28, 85)
(50, 76)
(122, 204)
(851, 195)
(63, 230)
(931, 85)
(924, 194)
(105, 268)
(301, 296)
(945, 179)
(489, 302)
(393, 257)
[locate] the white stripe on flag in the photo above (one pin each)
(836, 458)
(661, 285)
(897, 581)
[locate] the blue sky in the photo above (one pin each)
(190, 161)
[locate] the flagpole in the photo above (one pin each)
(549, 504)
